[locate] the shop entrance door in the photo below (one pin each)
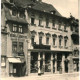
(66, 66)
(18, 70)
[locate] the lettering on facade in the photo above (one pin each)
(19, 36)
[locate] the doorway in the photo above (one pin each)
(19, 69)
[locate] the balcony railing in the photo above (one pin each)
(41, 46)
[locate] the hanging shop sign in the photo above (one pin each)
(17, 35)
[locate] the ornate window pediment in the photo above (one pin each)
(60, 36)
(48, 35)
(33, 33)
(66, 37)
(54, 36)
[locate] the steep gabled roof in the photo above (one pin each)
(41, 6)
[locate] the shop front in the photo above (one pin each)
(17, 68)
(48, 62)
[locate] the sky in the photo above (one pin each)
(65, 7)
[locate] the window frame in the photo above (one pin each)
(15, 27)
(20, 29)
(14, 43)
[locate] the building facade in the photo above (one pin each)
(36, 39)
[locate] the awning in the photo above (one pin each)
(14, 60)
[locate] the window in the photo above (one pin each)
(21, 46)
(32, 21)
(20, 29)
(65, 43)
(14, 46)
(3, 61)
(40, 22)
(14, 12)
(1, 5)
(47, 22)
(40, 40)
(53, 41)
(32, 40)
(53, 23)
(47, 40)
(59, 25)
(65, 27)
(59, 42)
(14, 28)
(21, 14)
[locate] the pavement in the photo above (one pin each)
(66, 76)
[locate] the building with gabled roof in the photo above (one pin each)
(36, 39)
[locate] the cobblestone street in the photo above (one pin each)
(69, 76)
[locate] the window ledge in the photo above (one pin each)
(60, 29)
(66, 47)
(54, 46)
(40, 25)
(65, 31)
(54, 28)
(60, 46)
(47, 27)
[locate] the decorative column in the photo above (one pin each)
(51, 63)
(44, 61)
(55, 63)
(63, 65)
(39, 62)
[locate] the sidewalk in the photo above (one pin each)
(66, 76)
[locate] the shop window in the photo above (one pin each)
(14, 12)
(21, 46)
(40, 40)
(3, 61)
(34, 62)
(47, 62)
(20, 29)
(47, 40)
(14, 46)
(14, 28)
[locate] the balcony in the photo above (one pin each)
(41, 46)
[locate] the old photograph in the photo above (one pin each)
(39, 40)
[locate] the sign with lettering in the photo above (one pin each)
(17, 35)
